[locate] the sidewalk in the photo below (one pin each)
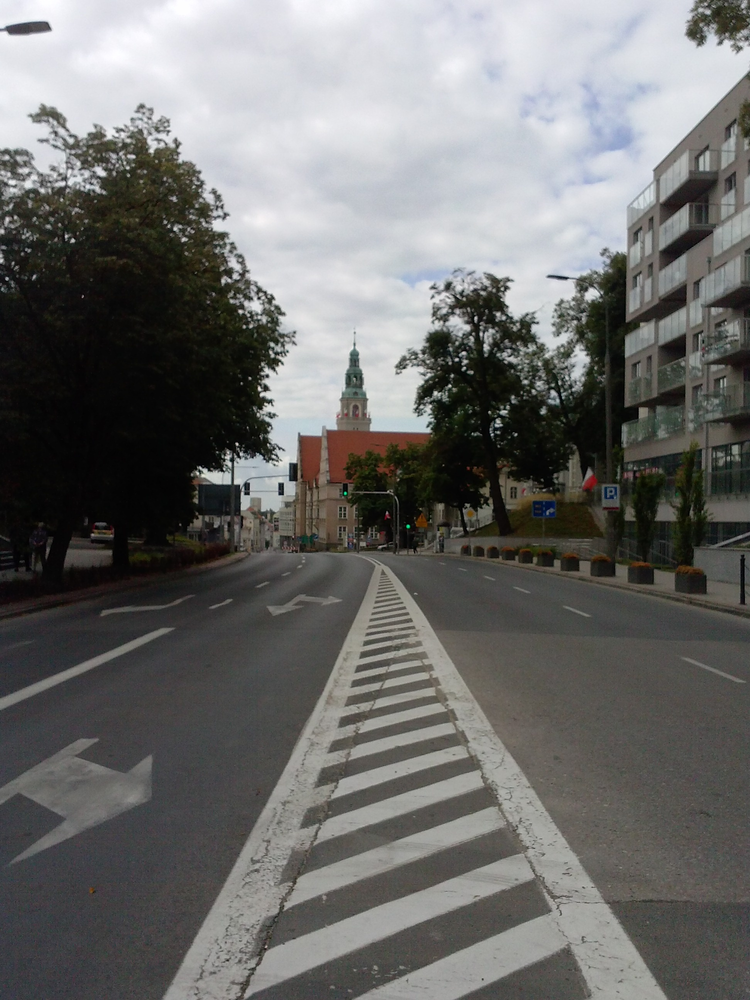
(719, 597)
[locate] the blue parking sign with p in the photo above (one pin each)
(611, 497)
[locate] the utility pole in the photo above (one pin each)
(232, 540)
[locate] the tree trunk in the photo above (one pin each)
(463, 521)
(120, 551)
(53, 571)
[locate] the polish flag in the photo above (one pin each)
(589, 480)
(387, 515)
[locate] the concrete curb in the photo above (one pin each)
(631, 588)
(115, 587)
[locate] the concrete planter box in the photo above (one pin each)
(492, 552)
(640, 574)
(548, 561)
(465, 550)
(526, 557)
(478, 550)
(508, 556)
(570, 564)
(602, 568)
(690, 583)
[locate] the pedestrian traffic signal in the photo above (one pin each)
(408, 527)
(281, 489)
(345, 489)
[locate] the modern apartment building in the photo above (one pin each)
(688, 362)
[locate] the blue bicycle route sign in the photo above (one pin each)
(544, 508)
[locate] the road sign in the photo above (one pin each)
(544, 508)
(421, 521)
(611, 497)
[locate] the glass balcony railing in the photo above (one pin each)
(689, 176)
(664, 422)
(728, 151)
(645, 200)
(673, 276)
(728, 285)
(671, 376)
(695, 313)
(672, 327)
(640, 389)
(636, 340)
(695, 364)
(727, 342)
(648, 289)
(635, 298)
(688, 226)
(635, 254)
(730, 404)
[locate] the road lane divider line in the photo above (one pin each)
(288, 573)
(576, 611)
(705, 666)
(522, 590)
(264, 584)
(461, 570)
(80, 668)
(489, 577)
(221, 604)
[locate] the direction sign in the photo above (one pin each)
(611, 497)
(544, 508)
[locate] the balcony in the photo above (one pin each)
(695, 313)
(673, 280)
(645, 200)
(662, 424)
(635, 298)
(728, 343)
(636, 340)
(695, 365)
(729, 285)
(690, 176)
(671, 377)
(640, 389)
(688, 226)
(731, 405)
(672, 327)
(728, 151)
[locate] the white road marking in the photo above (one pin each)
(296, 603)
(17, 645)
(460, 570)
(704, 666)
(329, 943)
(391, 699)
(393, 855)
(522, 590)
(489, 577)
(390, 670)
(402, 740)
(576, 611)
(264, 584)
(85, 794)
(399, 805)
(143, 607)
(300, 566)
(80, 668)
(477, 966)
(392, 682)
(388, 644)
(401, 769)
(288, 573)
(221, 604)
(383, 721)
(381, 657)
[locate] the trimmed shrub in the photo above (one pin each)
(600, 558)
(493, 552)
(689, 571)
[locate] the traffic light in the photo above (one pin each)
(281, 489)
(292, 472)
(246, 489)
(408, 527)
(345, 489)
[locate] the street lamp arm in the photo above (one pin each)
(27, 28)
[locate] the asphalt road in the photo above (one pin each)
(638, 754)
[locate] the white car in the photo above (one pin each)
(102, 532)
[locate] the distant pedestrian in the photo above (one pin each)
(38, 544)
(19, 543)
(414, 545)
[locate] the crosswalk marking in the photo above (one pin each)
(318, 947)
(401, 769)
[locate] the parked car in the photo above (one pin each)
(102, 532)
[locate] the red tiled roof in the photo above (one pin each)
(309, 456)
(343, 443)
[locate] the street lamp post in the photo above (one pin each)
(608, 444)
(396, 509)
(27, 28)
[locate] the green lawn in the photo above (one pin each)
(574, 520)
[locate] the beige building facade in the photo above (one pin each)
(687, 364)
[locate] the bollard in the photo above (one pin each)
(742, 579)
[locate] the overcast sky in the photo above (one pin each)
(366, 148)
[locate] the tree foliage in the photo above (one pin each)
(402, 470)
(727, 21)
(691, 517)
(454, 459)
(646, 495)
(135, 347)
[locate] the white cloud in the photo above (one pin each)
(366, 148)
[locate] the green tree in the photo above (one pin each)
(646, 496)
(691, 517)
(402, 470)
(470, 362)
(453, 465)
(134, 346)
(728, 21)
(367, 473)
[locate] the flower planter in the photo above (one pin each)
(602, 567)
(690, 583)
(526, 557)
(478, 550)
(640, 574)
(465, 550)
(509, 555)
(493, 552)
(545, 559)
(570, 564)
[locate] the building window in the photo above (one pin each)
(637, 236)
(514, 493)
(697, 393)
(731, 130)
(355, 412)
(638, 279)
(649, 361)
(342, 533)
(697, 289)
(341, 489)
(720, 384)
(730, 468)
(697, 341)
(343, 513)
(729, 200)
(635, 370)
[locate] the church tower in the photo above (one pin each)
(353, 414)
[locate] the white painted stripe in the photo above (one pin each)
(264, 584)
(609, 962)
(392, 616)
(478, 966)
(576, 611)
(81, 668)
(288, 573)
(329, 943)
(383, 721)
(400, 769)
(388, 644)
(144, 607)
(705, 666)
(300, 566)
(402, 740)
(389, 656)
(389, 670)
(399, 805)
(463, 570)
(392, 682)
(222, 604)
(391, 699)
(389, 603)
(389, 630)
(522, 590)
(399, 852)
(489, 577)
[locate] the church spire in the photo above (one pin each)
(353, 414)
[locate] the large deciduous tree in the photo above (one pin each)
(728, 21)
(470, 362)
(134, 345)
